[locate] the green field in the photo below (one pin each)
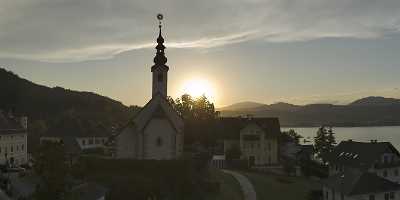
(229, 187)
(270, 186)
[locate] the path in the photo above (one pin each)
(247, 188)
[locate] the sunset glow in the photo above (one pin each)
(199, 87)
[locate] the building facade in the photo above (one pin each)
(257, 138)
(84, 142)
(13, 140)
(359, 185)
(157, 131)
(380, 158)
(363, 170)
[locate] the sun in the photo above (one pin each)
(199, 87)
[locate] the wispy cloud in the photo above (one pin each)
(77, 30)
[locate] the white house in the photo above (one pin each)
(256, 137)
(381, 158)
(13, 139)
(363, 170)
(358, 185)
(157, 131)
(76, 138)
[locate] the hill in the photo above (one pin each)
(48, 106)
(375, 101)
(246, 105)
(369, 111)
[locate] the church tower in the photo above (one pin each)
(160, 69)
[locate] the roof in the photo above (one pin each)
(70, 127)
(9, 125)
(158, 107)
(355, 182)
(71, 146)
(230, 127)
(307, 149)
(360, 154)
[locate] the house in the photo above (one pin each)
(77, 136)
(355, 185)
(157, 131)
(257, 138)
(363, 170)
(13, 139)
(306, 153)
(381, 158)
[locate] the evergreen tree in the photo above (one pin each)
(324, 142)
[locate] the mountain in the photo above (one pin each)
(246, 105)
(375, 101)
(369, 111)
(47, 106)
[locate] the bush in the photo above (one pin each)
(238, 164)
(140, 179)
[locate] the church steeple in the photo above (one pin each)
(159, 69)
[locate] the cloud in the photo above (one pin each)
(77, 30)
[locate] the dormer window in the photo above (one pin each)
(160, 77)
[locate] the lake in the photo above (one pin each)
(363, 134)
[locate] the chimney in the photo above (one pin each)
(24, 122)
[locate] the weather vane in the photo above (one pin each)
(160, 17)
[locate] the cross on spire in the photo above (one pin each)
(160, 58)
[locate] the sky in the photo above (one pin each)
(295, 51)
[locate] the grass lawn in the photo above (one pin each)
(271, 187)
(229, 187)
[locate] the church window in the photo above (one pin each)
(385, 173)
(90, 141)
(159, 142)
(160, 77)
(83, 142)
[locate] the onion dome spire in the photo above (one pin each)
(160, 58)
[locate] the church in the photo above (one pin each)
(157, 131)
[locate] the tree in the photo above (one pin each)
(199, 116)
(233, 153)
(290, 136)
(50, 166)
(324, 142)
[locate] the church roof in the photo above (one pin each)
(158, 107)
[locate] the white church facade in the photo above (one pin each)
(157, 131)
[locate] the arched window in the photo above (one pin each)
(159, 142)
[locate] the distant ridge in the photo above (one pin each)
(368, 111)
(371, 101)
(246, 105)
